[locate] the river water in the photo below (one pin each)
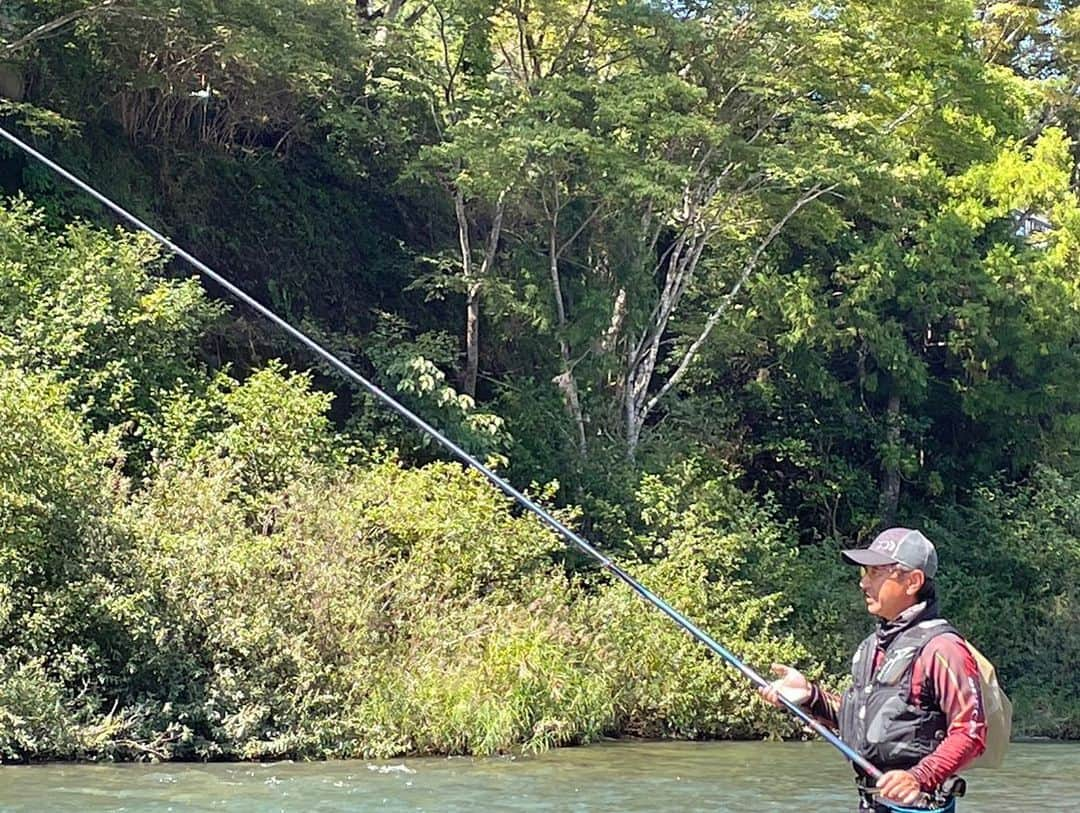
(618, 776)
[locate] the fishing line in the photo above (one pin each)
(457, 451)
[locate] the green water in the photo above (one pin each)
(624, 776)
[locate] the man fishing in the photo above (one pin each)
(915, 709)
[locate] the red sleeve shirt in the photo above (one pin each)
(946, 672)
(945, 675)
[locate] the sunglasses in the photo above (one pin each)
(875, 572)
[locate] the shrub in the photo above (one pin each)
(64, 644)
(88, 306)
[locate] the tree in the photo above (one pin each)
(712, 136)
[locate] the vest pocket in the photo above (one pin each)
(891, 730)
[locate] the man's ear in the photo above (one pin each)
(916, 580)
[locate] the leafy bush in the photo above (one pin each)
(62, 638)
(88, 307)
(373, 609)
(721, 558)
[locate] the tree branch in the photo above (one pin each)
(691, 352)
(45, 29)
(577, 232)
(555, 63)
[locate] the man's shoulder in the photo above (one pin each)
(949, 644)
(948, 638)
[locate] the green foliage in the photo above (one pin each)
(719, 558)
(936, 345)
(37, 721)
(88, 308)
(273, 601)
(389, 610)
(49, 506)
(59, 631)
(1010, 573)
(410, 370)
(270, 426)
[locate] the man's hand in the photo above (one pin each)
(791, 685)
(899, 786)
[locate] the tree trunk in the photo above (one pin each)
(472, 298)
(633, 423)
(474, 281)
(565, 380)
(890, 491)
(682, 263)
(472, 338)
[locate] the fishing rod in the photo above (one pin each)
(350, 374)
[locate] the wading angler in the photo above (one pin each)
(917, 706)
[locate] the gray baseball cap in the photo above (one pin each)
(897, 546)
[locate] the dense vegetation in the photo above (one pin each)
(728, 286)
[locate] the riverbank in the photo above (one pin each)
(201, 565)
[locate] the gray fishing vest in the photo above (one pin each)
(877, 717)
